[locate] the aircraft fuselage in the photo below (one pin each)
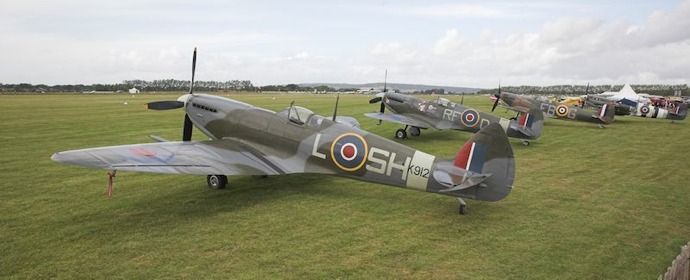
(309, 143)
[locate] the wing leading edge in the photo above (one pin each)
(404, 120)
(224, 156)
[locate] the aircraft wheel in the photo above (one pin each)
(415, 131)
(401, 134)
(526, 143)
(463, 210)
(513, 119)
(216, 181)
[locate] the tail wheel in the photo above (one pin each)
(462, 210)
(216, 181)
(401, 134)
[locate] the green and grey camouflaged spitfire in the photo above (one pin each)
(441, 113)
(247, 140)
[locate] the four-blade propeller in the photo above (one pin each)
(179, 103)
(379, 98)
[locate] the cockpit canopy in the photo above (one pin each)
(300, 116)
(444, 102)
(296, 114)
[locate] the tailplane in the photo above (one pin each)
(529, 124)
(483, 169)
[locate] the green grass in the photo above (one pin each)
(596, 203)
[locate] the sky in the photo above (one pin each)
(435, 42)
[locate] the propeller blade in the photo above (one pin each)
(582, 105)
(164, 105)
(382, 110)
(335, 111)
(191, 86)
(495, 104)
(498, 97)
(375, 99)
(187, 129)
(385, 81)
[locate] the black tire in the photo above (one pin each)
(462, 210)
(415, 131)
(400, 134)
(216, 182)
(526, 143)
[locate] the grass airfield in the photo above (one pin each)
(608, 203)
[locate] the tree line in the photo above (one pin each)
(246, 85)
(142, 85)
(571, 90)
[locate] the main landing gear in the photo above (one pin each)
(217, 181)
(402, 133)
(525, 142)
(462, 210)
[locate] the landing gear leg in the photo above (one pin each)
(462, 210)
(600, 126)
(517, 115)
(216, 181)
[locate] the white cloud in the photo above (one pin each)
(467, 44)
(456, 10)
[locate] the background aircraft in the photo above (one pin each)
(626, 96)
(675, 111)
(246, 140)
(441, 113)
(627, 102)
(523, 104)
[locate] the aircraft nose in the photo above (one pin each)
(184, 98)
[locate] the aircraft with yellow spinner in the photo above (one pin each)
(247, 140)
(522, 104)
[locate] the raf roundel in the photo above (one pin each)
(469, 118)
(562, 110)
(349, 151)
(644, 110)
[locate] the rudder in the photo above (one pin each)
(487, 159)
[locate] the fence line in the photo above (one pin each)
(680, 267)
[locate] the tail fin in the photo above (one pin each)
(483, 169)
(680, 112)
(606, 113)
(529, 124)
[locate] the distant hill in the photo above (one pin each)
(394, 86)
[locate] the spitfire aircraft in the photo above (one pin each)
(523, 104)
(441, 113)
(676, 112)
(247, 140)
(640, 107)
